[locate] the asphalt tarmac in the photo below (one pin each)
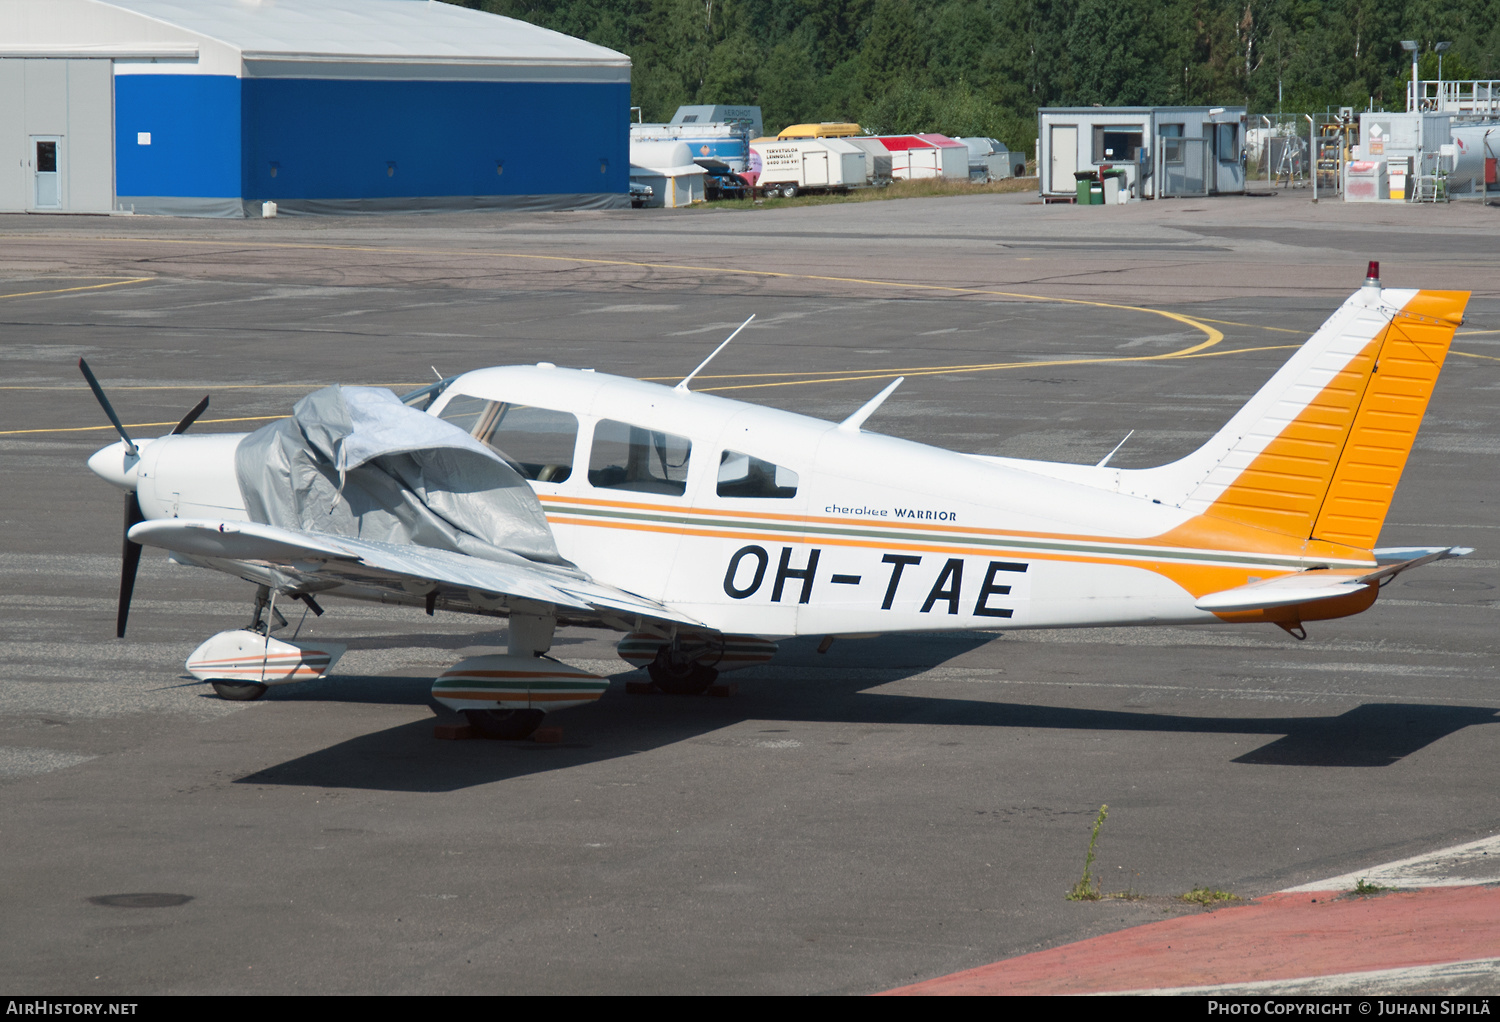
(887, 812)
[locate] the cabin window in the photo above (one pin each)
(1117, 143)
(537, 442)
(1228, 142)
(627, 457)
(743, 475)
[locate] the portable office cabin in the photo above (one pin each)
(210, 107)
(1164, 151)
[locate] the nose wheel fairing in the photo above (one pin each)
(244, 656)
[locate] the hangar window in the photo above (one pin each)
(744, 475)
(537, 442)
(1116, 143)
(627, 457)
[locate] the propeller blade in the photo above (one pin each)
(130, 560)
(109, 410)
(192, 416)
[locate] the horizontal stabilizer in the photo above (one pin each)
(1405, 554)
(1311, 586)
(1285, 591)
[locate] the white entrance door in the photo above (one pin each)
(1064, 148)
(46, 164)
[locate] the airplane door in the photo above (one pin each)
(1064, 148)
(46, 156)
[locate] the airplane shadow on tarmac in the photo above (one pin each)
(408, 758)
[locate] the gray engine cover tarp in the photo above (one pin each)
(389, 473)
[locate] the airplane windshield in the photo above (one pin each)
(742, 475)
(627, 457)
(538, 442)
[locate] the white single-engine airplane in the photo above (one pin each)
(706, 528)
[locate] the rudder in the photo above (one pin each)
(1395, 399)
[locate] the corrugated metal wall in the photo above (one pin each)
(71, 101)
(219, 145)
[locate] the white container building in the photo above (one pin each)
(1165, 151)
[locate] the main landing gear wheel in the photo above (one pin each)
(239, 691)
(680, 677)
(506, 725)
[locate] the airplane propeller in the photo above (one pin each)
(130, 555)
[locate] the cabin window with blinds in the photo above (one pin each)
(537, 442)
(627, 457)
(744, 475)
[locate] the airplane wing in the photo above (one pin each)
(1310, 586)
(320, 561)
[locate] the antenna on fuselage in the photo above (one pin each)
(683, 386)
(853, 422)
(1111, 454)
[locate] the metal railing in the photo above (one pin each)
(1474, 98)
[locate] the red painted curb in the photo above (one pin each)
(1280, 936)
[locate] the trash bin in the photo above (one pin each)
(1082, 179)
(1096, 192)
(1114, 185)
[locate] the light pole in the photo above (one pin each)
(1411, 46)
(1440, 47)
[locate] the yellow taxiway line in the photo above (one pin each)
(1212, 336)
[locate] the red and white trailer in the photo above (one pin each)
(927, 155)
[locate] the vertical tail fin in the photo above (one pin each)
(1317, 452)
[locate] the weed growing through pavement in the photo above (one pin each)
(1208, 896)
(1087, 888)
(1364, 888)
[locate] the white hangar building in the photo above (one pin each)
(211, 107)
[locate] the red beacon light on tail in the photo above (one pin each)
(1372, 275)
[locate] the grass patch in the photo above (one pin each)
(1363, 888)
(924, 188)
(1208, 897)
(1087, 888)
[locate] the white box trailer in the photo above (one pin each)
(788, 166)
(990, 160)
(877, 159)
(931, 155)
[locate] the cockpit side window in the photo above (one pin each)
(744, 475)
(538, 442)
(627, 457)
